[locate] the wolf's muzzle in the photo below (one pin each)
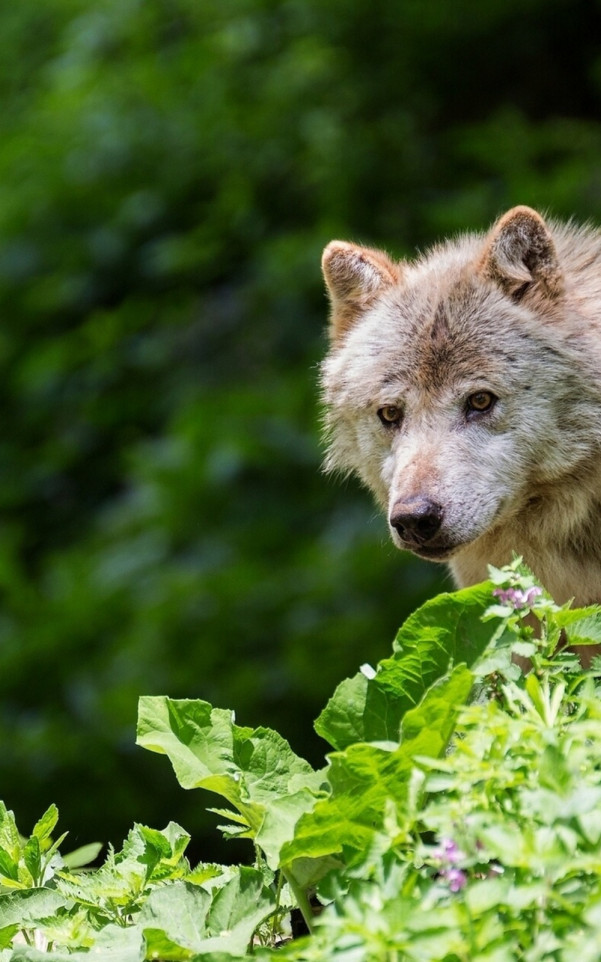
(416, 521)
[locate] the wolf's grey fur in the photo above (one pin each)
(464, 389)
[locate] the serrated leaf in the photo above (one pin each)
(157, 850)
(9, 870)
(178, 839)
(582, 626)
(156, 846)
(29, 905)
(10, 839)
(228, 813)
(211, 875)
(446, 631)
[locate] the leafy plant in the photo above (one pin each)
(458, 816)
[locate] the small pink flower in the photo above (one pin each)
(456, 878)
(517, 597)
(449, 851)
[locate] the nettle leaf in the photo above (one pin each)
(255, 770)
(27, 906)
(9, 870)
(10, 841)
(32, 857)
(582, 626)
(157, 850)
(147, 856)
(364, 778)
(45, 826)
(444, 632)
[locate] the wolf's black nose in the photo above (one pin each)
(416, 520)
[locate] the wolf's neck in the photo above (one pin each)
(567, 562)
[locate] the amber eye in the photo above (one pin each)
(480, 402)
(390, 415)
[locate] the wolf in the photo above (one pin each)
(464, 390)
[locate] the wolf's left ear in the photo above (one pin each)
(354, 277)
(520, 253)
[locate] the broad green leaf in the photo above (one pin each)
(82, 856)
(254, 769)
(279, 821)
(193, 919)
(28, 905)
(446, 631)
(237, 909)
(365, 777)
(177, 911)
(485, 894)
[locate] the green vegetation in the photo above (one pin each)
(169, 171)
(456, 819)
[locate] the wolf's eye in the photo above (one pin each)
(390, 415)
(480, 402)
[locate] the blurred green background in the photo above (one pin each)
(169, 173)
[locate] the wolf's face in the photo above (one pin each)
(450, 388)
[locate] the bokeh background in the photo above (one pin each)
(169, 173)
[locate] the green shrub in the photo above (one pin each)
(458, 817)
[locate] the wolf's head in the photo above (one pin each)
(457, 386)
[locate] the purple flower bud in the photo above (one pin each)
(456, 878)
(448, 851)
(517, 597)
(532, 593)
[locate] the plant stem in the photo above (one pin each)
(278, 894)
(301, 899)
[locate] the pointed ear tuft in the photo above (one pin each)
(520, 253)
(354, 277)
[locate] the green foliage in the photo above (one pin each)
(467, 828)
(445, 631)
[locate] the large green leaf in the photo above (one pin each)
(446, 631)
(254, 769)
(366, 778)
(184, 916)
(27, 906)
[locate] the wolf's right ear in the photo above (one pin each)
(354, 277)
(520, 254)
